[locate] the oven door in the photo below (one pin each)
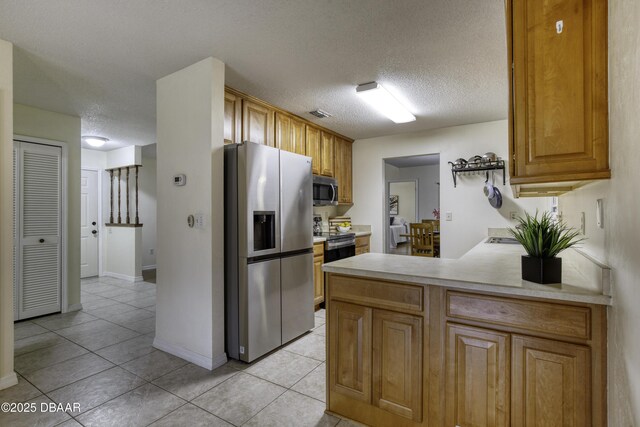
(339, 253)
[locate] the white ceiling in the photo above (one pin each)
(413, 161)
(99, 59)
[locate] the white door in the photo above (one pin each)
(39, 247)
(89, 223)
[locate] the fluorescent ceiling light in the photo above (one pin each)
(95, 141)
(384, 102)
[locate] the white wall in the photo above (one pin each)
(148, 208)
(406, 192)
(190, 274)
(7, 376)
(472, 214)
(617, 243)
(123, 257)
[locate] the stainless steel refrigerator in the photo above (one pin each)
(268, 248)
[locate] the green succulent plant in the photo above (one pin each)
(544, 237)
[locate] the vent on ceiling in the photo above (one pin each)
(320, 114)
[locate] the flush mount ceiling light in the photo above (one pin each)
(384, 102)
(95, 141)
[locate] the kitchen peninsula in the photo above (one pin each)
(418, 341)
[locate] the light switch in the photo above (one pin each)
(199, 221)
(583, 227)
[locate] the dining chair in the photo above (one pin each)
(421, 235)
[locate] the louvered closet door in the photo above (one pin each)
(40, 230)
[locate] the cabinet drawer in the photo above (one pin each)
(318, 249)
(544, 317)
(362, 241)
(377, 293)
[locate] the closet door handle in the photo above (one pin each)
(41, 240)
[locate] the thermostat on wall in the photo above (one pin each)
(179, 179)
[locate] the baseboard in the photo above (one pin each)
(195, 358)
(8, 380)
(148, 267)
(74, 307)
(123, 276)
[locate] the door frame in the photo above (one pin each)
(101, 227)
(64, 226)
(387, 193)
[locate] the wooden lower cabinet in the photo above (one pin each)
(397, 363)
(318, 275)
(477, 377)
(362, 244)
(448, 358)
(550, 383)
(350, 350)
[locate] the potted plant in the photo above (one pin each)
(543, 239)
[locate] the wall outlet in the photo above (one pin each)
(448, 216)
(513, 215)
(152, 251)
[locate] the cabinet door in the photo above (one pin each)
(550, 383)
(313, 149)
(477, 377)
(318, 280)
(283, 132)
(232, 118)
(326, 144)
(257, 123)
(298, 137)
(350, 350)
(559, 88)
(342, 169)
(397, 363)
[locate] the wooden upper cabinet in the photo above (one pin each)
(550, 383)
(477, 375)
(342, 169)
(397, 363)
(558, 108)
(350, 350)
(257, 123)
(290, 134)
(313, 148)
(232, 118)
(327, 153)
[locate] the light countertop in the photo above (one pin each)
(486, 267)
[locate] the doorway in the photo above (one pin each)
(89, 234)
(412, 195)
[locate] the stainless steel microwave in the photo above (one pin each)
(325, 191)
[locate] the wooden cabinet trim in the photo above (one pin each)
(378, 294)
(535, 316)
(362, 241)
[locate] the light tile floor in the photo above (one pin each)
(102, 358)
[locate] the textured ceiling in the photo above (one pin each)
(99, 59)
